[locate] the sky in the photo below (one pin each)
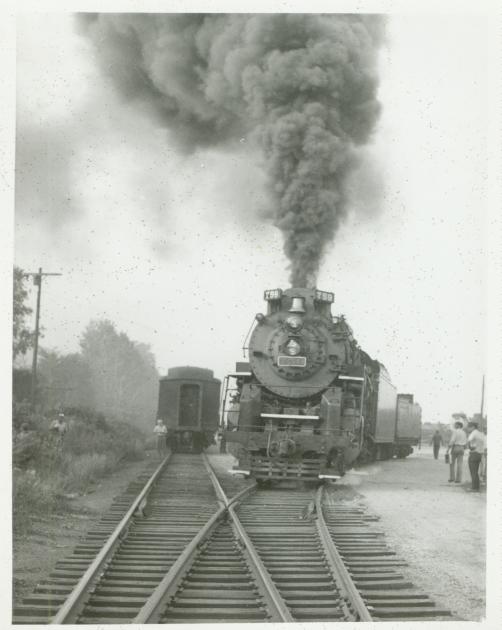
(176, 250)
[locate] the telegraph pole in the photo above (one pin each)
(482, 398)
(37, 281)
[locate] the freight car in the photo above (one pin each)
(408, 425)
(310, 402)
(189, 400)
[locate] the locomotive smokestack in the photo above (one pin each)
(302, 87)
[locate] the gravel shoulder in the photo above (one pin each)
(437, 527)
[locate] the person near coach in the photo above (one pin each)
(437, 442)
(456, 448)
(160, 430)
(477, 444)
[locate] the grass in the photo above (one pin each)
(32, 496)
(45, 471)
(82, 471)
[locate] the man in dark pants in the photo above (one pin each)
(223, 442)
(457, 445)
(477, 444)
(437, 442)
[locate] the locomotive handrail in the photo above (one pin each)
(244, 347)
(289, 416)
(260, 429)
(221, 408)
(73, 605)
(339, 570)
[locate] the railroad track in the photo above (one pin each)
(375, 568)
(183, 552)
(52, 592)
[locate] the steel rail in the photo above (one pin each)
(276, 604)
(70, 610)
(338, 568)
(151, 611)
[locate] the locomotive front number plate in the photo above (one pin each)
(284, 361)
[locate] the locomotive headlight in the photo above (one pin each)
(294, 322)
(293, 348)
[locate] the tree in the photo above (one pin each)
(65, 380)
(123, 375)
(22, 337)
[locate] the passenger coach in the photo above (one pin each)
(189, 399)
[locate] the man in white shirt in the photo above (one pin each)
(160, 431)
(58, 429)
(477, 445)
(456, 448)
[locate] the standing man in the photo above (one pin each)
(456, 447)
(482, 466)
(160, 430)
(477, 445)
(437, 442)
(58, 429)
(223, 441)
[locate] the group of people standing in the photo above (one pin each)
(474, 441)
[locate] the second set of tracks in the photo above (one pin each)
(181, 551)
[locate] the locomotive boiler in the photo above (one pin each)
(189, 400)
(309, 402)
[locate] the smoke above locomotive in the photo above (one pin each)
(301, 87)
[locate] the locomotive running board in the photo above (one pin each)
(288, 416)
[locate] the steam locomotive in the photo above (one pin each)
(310, 403)
(189, 400)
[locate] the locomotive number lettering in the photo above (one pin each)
(283, 361)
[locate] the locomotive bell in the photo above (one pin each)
(297, 305)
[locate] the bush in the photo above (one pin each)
(80, 472)
(114, 438)
(31, 494)
(91, 448)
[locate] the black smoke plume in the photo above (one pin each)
(303, 87)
